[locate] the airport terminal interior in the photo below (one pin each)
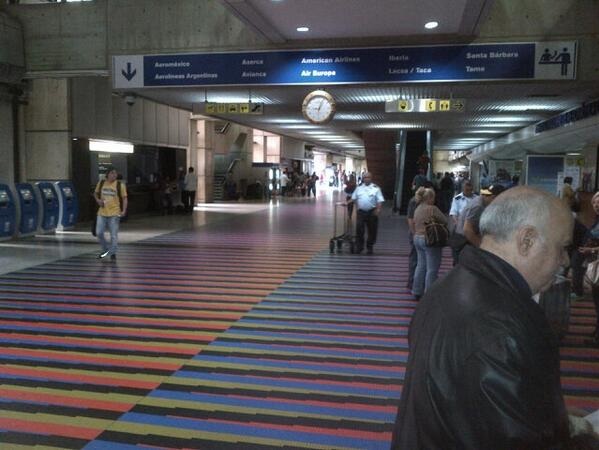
(250, 321)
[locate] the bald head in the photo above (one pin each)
(522, 206)
(530, 229)
(367, 178)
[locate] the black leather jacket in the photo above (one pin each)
(483, 371)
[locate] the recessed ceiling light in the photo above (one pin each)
(302, 29)
(431, 25)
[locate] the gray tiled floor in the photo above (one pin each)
(17, 254)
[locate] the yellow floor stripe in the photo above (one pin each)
(146, 429)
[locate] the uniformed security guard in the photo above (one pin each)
(369, 201)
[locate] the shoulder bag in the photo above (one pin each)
(591, 275)
(436, 233)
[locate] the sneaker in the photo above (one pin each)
(113, 257)
(369, 251)
(103, 254)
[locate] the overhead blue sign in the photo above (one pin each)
(540, 60)
(574, 115)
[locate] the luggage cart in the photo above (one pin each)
(342, 229)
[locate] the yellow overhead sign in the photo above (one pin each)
(425, 105)
(233, 108)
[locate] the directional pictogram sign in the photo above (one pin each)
(405, 105)
(430, 105)
(229, 108)
(425, 105)
(458, 105)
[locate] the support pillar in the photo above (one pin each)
(201, 157)
(48, 131)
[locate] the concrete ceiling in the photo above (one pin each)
(493, 109)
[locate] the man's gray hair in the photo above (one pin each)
(508, 213)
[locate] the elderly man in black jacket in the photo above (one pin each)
(483, 371)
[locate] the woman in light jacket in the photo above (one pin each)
(429, 258)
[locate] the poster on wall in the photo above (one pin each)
(542, 172)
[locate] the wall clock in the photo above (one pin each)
(319, 107)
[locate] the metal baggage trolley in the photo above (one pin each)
(342, 229)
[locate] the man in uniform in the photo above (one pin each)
(111, 197)
(369, 201)
(458, 205)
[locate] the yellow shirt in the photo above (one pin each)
(111, 199)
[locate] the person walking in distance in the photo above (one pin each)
(111, 197)
(369, 201)
(189, 192)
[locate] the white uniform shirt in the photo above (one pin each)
(458, 206)
(367, 197)
(191, 182)
(459, 203)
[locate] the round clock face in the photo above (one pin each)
(318, 107)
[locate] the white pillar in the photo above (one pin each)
(201, 157)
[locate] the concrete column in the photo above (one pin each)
(201, 156)
(475, 175)
(48, 131)
(6, 141)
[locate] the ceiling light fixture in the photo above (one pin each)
(431, 25)
(303, 29)
(110, 146)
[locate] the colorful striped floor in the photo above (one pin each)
(242, 334)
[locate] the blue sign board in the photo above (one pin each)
(542, 172)
(574, 115)
(548, 60)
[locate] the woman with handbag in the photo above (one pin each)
(429, 256)
(590, 249)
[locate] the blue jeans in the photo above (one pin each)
(412, 261)
(113, 227)
(429, 260)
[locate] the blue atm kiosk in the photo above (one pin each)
(48, 206)
(8, 213)
(29, 208)
(68, 205)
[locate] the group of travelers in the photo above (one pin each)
(298, 184)
(484, 364)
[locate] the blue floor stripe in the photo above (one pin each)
(250, 430)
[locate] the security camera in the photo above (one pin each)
(130, 99)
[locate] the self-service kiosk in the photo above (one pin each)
(8, 213)
(48, 206)
(29, 209)
(68, 205)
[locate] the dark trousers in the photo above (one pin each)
(366, 219)
(188, 199)
(576, 264)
